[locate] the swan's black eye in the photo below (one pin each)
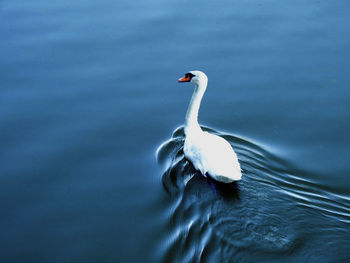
(189, 75)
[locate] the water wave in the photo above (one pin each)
(273, 212)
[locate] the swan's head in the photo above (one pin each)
(194, 76)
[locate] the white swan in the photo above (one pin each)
(209, 153)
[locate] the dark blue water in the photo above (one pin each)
(89, 93)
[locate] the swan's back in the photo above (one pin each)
(214, 156)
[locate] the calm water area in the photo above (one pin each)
(91, 135)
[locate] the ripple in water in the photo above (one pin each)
(272, 213)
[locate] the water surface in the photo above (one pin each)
(89, 93)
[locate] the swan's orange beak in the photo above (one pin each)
(185, 79)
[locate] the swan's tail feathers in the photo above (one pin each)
(225, 179)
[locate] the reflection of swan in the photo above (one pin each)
(209, 153)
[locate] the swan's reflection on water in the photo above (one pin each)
(258, 218)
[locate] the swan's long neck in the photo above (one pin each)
(191, 122)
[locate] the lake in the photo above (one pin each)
(91, 133)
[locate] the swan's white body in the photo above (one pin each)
(210, 154)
